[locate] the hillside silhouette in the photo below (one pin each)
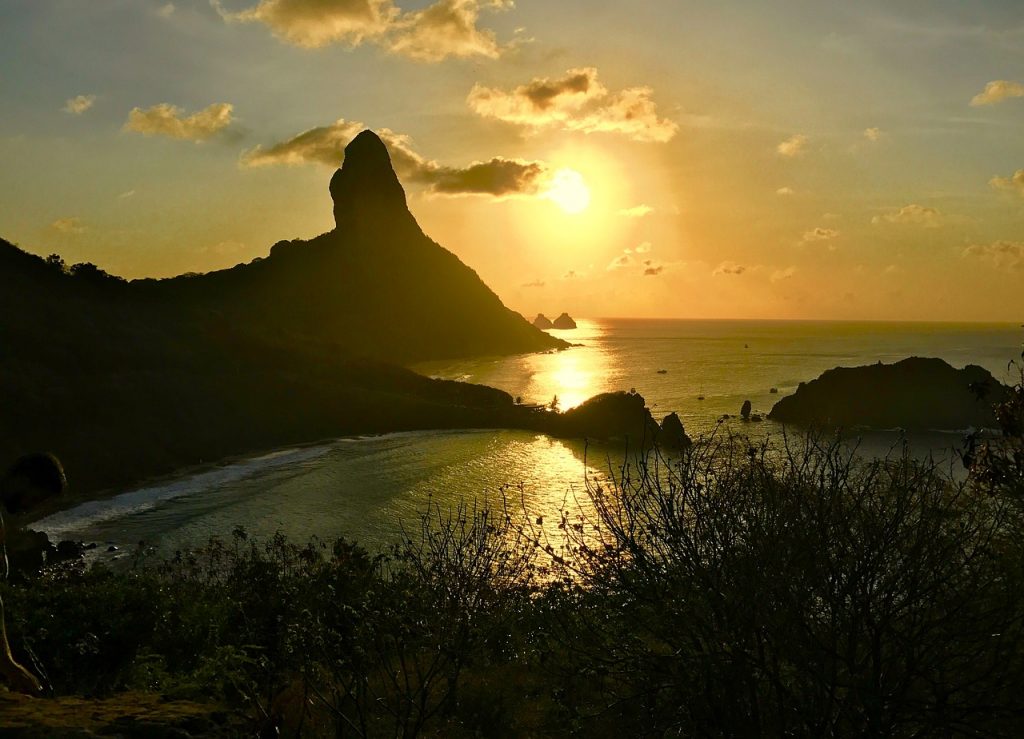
(127, 379)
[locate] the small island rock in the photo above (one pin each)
(673, 437)
(543, 322)
(564, 322)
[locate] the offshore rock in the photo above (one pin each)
(915, 393)
(564, 322)
(673, 437)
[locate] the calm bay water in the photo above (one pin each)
(362, 488)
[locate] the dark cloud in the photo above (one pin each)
(498, 177)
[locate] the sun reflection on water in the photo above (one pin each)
(572, 375)
(575, 374)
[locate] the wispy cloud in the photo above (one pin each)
(620, 262)
(169, 120)
(166, 10)
(913, 214)
(784, 191)
(820, 234)
(637, 211)
(577, 101)
(446, 28)
(729, 268)
(1001, 254)
(997, 91)
(497, 177)
(1014, 182)
(79, 104)
(70, 226)
(873, 134)
(783, 274)
(794, 146)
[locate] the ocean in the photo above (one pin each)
(367, 488)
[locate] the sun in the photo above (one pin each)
(568, 190)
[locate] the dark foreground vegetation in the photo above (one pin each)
(732, 591)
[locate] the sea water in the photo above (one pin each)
(368, 488)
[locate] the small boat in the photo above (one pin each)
(700, 397)
(662, 372)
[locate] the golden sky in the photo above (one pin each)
(667, 158)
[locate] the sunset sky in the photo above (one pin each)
(661, 158)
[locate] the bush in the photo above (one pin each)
(740, 590)
(798, 593)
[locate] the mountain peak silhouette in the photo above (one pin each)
(366, 183)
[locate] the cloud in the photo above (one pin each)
(873, 134)
(323, 145)
(784, 191)
(620, 262)
(71, 226)
(498, 177)
(169, 120)
(446, 28)
(315, 23)
(79, 104)
(222, 248)
(576, 101)
(793, 146)
(536, 283)
(166, 10)
(729, 268)
(651, 269)
(913, 214)
(571, 275)
(997, 91)
(1014, 183)
(637, 211)
(820, 234)
(1001, 254)
(783, 274)
(126, 194)
(644, 248)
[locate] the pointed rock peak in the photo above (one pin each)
(366, 184)
(367, 148)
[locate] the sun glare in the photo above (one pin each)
(568, 190)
